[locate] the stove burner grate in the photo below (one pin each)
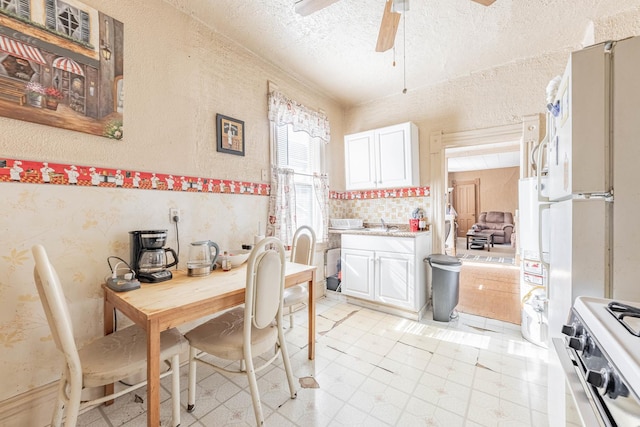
(620, 311)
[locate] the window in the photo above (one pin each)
(18, 7)
(305, 155)
(68, 20)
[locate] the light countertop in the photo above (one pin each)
(377, 231)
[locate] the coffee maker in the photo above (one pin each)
(149, 257)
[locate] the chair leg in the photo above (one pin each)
(287, 363)
(191, 400)
(175, 389)
(73, 404)
(255, 394)
(58, 410)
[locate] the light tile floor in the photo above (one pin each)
(373, 369)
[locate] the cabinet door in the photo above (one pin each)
(395, 279)
(394, 151)
(360, 169)
(357, 273)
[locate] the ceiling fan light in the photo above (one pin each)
(307, 7)
(400, 6)
(485, 2)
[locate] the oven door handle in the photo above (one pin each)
(579, 388)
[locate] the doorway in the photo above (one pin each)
(477, 166)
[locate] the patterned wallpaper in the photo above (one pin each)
(80, 224)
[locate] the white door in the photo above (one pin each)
(626, 152)
(578, 155)
(357, 273)
(578, 256)
(360, 167)
(393, 153)
(395, 278)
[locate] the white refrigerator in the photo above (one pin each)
(593, 160)
(533, 244)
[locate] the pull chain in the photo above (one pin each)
(404, 35)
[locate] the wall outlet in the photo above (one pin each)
(174, 215)
(264, 175)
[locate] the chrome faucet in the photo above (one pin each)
(384, 226)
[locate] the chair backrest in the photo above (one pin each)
(265, 285)
(303, 247)
(55, 308)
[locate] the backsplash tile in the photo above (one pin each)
(394, 205)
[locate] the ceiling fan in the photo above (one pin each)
(390, 17)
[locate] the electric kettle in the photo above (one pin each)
(202, 258)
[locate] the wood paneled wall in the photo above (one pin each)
(498, 188)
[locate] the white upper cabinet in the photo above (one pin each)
(382, 158)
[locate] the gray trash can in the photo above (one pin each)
(445, 285)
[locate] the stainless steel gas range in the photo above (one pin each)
(600, 356)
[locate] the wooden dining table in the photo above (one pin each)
(159, 306)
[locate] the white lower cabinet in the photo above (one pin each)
(395, 279)
(386, 270)
(357, 271)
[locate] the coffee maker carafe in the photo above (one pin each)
(149, 256)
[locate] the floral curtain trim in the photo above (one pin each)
(282, 203)
(38, 172)
(395, 193)
(284, 111)
(321, 187)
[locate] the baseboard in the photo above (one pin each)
(407, 314)
(30, 409)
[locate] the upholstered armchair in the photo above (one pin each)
(500, 223)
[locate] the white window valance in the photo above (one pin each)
(283, 110)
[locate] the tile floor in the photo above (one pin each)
(373, 369)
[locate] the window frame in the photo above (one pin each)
(320, 164)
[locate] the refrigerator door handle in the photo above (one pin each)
(541, 208)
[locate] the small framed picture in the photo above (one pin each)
(230, 135)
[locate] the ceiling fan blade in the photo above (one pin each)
(485, 2)
(388, 28)
(307, 7)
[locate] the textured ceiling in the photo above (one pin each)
(334, 49)
(486, 156)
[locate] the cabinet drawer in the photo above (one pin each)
(379, 243)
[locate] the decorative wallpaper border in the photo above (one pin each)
(40, 172)
(386, 193)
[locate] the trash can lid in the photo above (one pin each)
(443, 259)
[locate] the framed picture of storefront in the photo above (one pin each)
(230, 135)
(61, 65)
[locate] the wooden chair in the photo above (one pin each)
(106, 360)
(243, 333)
(302, 252)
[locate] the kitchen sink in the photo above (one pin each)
(382, 230)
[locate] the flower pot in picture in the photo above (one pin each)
(34, 99)
(52, 104)
(53, 96)
(35, 93)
